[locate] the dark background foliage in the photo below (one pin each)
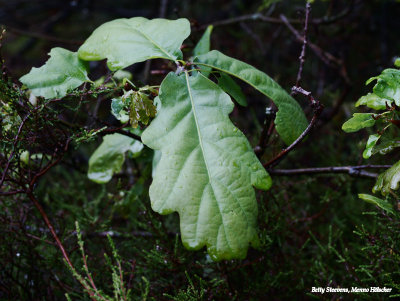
(314, 230)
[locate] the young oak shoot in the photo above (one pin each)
(206, 167)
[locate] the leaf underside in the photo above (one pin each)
(207, 167)
(388, 180)
(232, 88)
(63, 72)
(290, 120)
(124, 42)
(383, 204)
(109, 157)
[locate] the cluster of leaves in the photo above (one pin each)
(207, 167)
(385, 99)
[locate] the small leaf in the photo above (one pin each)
(397, 63)
(373, 101)
(109, 157)
(207, 167)
(372, 140)
(358, 122)
(120, 75)
(290, 120)
(388, 180)
(63, 72)
(203, 46)
(124, 42)
(383, 204)
(141, 108)
(388, 85)
(385, 147)
(118, 110)
(232, 88)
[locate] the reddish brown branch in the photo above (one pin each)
(318, 107)
(50, 226)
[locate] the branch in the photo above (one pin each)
(356, 171)
(326, 57)
(263, 18)
(318, 107)
(303, 49)
(58, 241)
(16, 140)
(120, 130)
(51, 228)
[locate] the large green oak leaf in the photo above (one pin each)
(207, 167)
(63, 72)
(290, 120)
(124, 42)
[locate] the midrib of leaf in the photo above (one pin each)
(158, 46)
(207, 166)
(66, 62)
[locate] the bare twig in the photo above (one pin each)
(325, 56)
(357, 171)
(266, 131)
(163, 8)
(303, 49)
(13, 152)
(317, 107)
(120, 130)
(50, 226)
(260, 17)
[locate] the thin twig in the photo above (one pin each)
(266, 132)
(50, 226)
(357, 171)
(16, 140)
(120, 130)
(303, 49)
(56, 238)
(325, 56)
(263, 18)
(317, 107)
